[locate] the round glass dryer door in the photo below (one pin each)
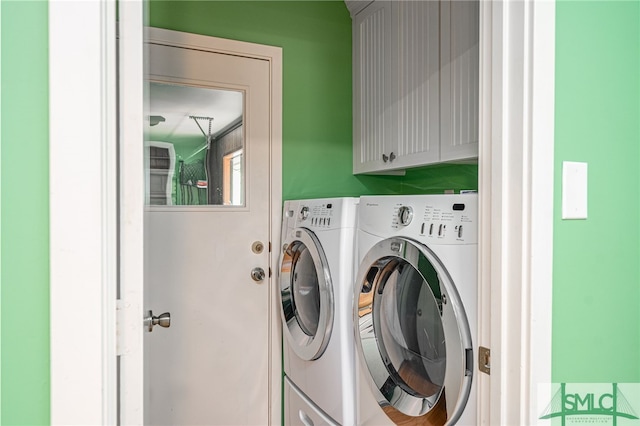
(414, 336)
(306, 295)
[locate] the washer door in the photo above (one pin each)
(414, 336)
(306, 295)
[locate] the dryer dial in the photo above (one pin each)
(304, 213)
(405, 214)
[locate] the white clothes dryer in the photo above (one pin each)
(415, 309)
(316, 290)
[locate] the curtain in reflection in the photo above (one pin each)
(192, 183)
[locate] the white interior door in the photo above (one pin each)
(211, 366)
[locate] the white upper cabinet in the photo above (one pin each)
(372, 89)
(459, 74)
(407, 112)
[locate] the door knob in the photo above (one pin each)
(257, 274)
(163, 320)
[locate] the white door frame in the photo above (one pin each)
(517, 60)
(516, 201)
(82, 211)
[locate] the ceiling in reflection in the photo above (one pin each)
(175, 104)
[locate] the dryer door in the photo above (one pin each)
(414, 336)
(306, 294)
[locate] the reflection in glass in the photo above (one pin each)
(161, 165)
(195, 144)
(305, 289)
(232, 179)
(410, 331)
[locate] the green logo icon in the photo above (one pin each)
(589, 401)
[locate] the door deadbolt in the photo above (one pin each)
(257, 274)
(163, 320)
(257, 247)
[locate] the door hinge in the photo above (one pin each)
(484, 359)
(120, 310)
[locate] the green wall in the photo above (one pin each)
(596, 331)
(24, 214)
(316, 41)
(596, 274)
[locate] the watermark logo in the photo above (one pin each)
(594, 403)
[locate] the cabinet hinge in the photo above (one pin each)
(484, 359)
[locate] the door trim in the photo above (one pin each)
(517, 57)
(82, 212)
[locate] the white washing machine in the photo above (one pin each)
(316, 290)
(415, 309)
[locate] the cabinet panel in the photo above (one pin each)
(460, 79)
(372, 65)
(416, 82)
(355, 6)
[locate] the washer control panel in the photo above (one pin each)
(437, 221)
(442, 219)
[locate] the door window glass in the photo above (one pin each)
(194, 146)
(407, 321)
(305, 289)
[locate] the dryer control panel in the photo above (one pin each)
(439, 219)
(322, 214)
(317, 215)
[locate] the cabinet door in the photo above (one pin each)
(460, 79)
(355, 6)
(415, 83)
(371, 87)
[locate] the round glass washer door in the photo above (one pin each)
(306, 295)
(413, 333)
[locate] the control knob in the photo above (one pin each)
(405, 214)
(304, 213)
